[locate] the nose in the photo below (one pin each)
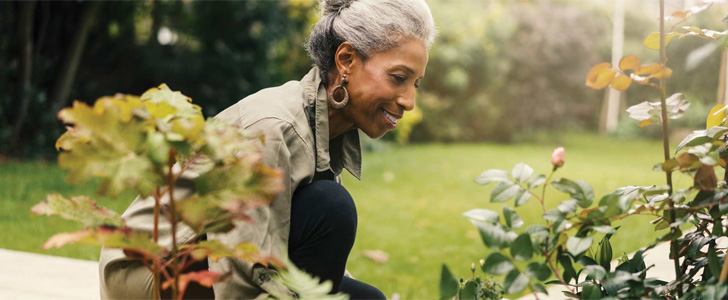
(407, 100)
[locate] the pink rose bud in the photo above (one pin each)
(557, 158)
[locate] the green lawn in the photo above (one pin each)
(410, 203)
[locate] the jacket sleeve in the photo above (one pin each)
(286, 150)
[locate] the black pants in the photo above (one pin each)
(323, 229)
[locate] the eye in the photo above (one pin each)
(399, 79)
(417, 84)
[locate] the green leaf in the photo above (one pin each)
(448, 284)
(604, 253)
(515, 282)
(493, 236)
(714, 264)
(714, 292)
(513, 221)
(304, 285)
(535, 181)
(497, 264)
(482, 215)
(577, 245)
(697, 137)
(522, 197)
(604, 229)
(539, 232)
(521, 172)
(662, 224)
(503, 191)
(553, 215)
(213, 249)
(522, 249)
(590, 291)
(469, 291)
(107, 142)
(567, 207)
(652, 41)
(80, 208)
(538, 271)
(579, 190)
(537, 288)
(569, 272)
(492, 175)
(595, 272)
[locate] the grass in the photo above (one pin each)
(410, 203)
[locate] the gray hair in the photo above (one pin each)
(371, 26)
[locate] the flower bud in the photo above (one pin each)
(472, 267)
(482, 262)
(557, 158)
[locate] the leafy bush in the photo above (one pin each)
(149, 144)
(562, 247)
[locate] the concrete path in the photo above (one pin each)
(30, 276)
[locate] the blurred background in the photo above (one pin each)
(500, 70)
(505, 83)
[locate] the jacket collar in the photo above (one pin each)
(343, 152)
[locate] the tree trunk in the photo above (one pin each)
(722, 78)
(25, 35)
(73, 57)
(611, 116)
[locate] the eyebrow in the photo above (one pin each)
(407, 69)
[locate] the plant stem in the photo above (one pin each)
(155, 236)
(171, 178)
(666, 145)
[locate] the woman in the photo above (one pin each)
(369, 57)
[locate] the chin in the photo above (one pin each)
(375, 134)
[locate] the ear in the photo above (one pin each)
(345, 57)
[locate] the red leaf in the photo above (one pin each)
(204, 278)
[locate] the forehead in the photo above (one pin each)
(411, 56)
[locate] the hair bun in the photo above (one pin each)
(334, 6)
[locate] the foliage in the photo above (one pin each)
(209, 45)
(563, 246)
(147, 144)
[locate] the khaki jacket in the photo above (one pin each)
(294, 119)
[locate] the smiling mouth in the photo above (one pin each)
(391, 118)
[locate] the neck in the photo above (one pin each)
(338, 123)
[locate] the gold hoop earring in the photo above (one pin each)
(343, 102)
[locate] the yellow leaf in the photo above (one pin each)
(602, 80)
(621, 82)
(679, 14)
(647, 122)
(649, 69)
(688, 161)
(665, 72)
(629, 62)
(594, 72)
(693, 29)
(653, 40)
(716, 116)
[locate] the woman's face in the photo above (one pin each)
(383, 87)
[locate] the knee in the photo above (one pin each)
(333, 203)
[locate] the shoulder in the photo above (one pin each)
(285, 102)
